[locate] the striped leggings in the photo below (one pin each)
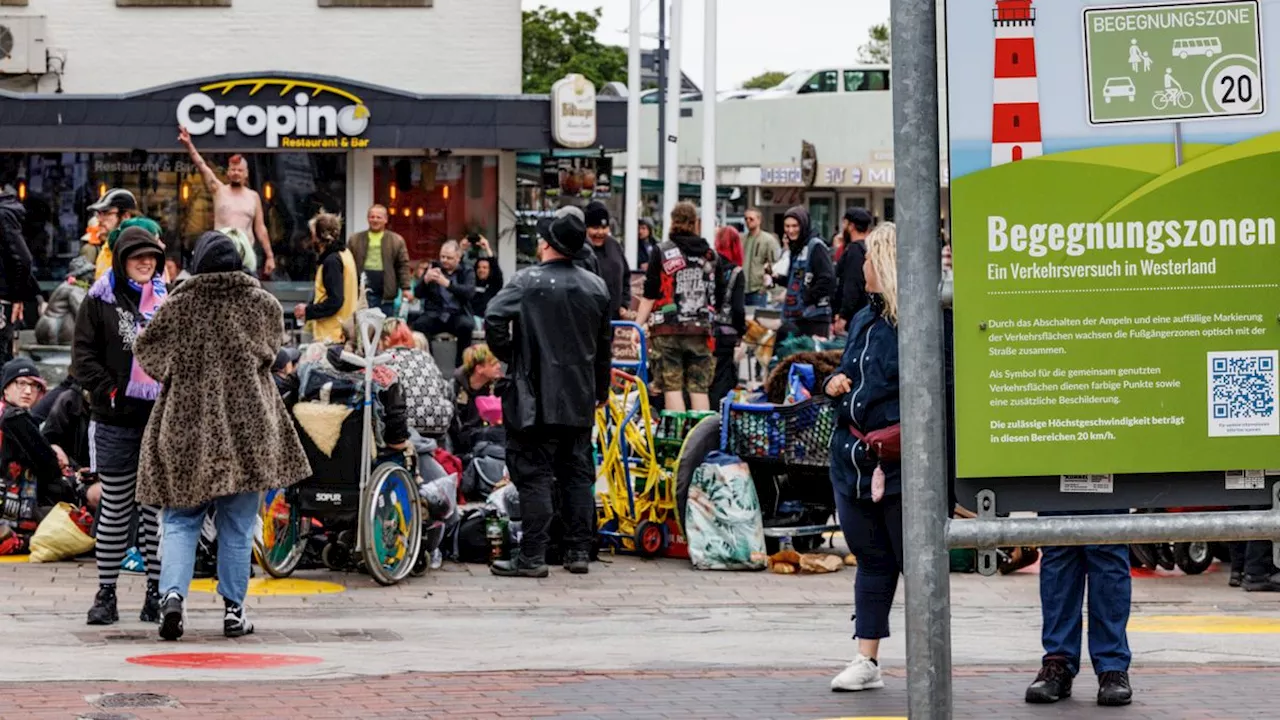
(114, 456)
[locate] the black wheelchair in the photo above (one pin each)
(363, 511)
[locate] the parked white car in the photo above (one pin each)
(857, 78)
(1119, 87)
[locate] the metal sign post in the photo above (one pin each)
(924, 468)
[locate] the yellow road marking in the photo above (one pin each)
(272, 586)
(15, 558)
(1204, 624)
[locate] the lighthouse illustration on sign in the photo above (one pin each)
(1015, 116)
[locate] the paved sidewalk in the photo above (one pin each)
(981, 693)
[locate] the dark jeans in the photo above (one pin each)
(1257, 560)
(1064, 574)
(725, 378)
(818, 328)
(460, 326)
(756, 299)
(873, 532)
(543, 460)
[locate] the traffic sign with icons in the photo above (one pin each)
(1173, 62)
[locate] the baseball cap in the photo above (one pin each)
(117, 198)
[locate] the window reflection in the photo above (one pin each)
(431, 201)
(60, 187)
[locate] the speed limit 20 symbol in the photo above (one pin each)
(1232, 86)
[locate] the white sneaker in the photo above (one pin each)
(861, 674)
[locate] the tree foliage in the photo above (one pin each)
(764, 80)
(557, 43)
(878, 48)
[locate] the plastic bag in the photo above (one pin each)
(800, 381)
(722, 519)
(59, 536)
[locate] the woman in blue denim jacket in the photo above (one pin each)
(868, 490)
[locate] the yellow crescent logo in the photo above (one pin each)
(285, 85)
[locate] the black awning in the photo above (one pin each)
(384, 118)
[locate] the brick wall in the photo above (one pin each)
(452, 46)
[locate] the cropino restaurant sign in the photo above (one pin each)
(284, 113)
(573, 112)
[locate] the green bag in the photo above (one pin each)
(964, 560)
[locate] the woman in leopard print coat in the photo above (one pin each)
(219, 434)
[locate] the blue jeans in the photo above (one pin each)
(1064, 573)
(235, 517)
(756, 299)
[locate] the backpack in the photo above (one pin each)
(485, 470)
(427, 393)
(467, 541)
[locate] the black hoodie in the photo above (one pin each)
(822, 285)
(102, 349)
(615, 272)
(17, 281)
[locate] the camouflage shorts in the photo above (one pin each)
(681, 362)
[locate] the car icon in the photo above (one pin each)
(1119, 87)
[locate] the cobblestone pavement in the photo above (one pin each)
(631, 639)
(986, 693)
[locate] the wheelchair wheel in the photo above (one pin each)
(282, 542)
(391, 528)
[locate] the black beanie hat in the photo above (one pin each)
(597, 214)
(19, 368)
(215, 253)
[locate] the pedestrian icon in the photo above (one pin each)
(1136, 57)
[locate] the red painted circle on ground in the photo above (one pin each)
(223, 661)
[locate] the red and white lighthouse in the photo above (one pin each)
(1015, 117)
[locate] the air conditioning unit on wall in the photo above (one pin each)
(22, 45)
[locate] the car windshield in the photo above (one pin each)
(794, 81)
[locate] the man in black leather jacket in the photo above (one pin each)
(551, 326)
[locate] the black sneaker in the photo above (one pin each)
(515, 568)
(151, 605)
(1114, 689)
(1053, 683)
(173, 616)
(1237, 578)
(1265, 583)
(577, 562)
(236, 622)
(104, 610)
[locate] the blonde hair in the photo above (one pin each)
(420, 341)
(882, 249)
(475, 356)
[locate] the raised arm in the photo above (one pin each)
(211, 180)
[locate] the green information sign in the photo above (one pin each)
(1114, 312)
(1171, 62)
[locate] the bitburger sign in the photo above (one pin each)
(302, 115)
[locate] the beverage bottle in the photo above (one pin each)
(493, 531)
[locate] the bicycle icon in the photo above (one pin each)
(1172, 97)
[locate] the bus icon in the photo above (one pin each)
(1206, 46)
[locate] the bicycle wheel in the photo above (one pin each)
(391, 528)
(1160, 101)
(1185, 100)
(282, 542)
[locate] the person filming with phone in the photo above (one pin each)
(445, 290)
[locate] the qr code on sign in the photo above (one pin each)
(1243, 393)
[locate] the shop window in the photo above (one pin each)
(376, 3)
(59, 187)
(173, 3)
(431, 201)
